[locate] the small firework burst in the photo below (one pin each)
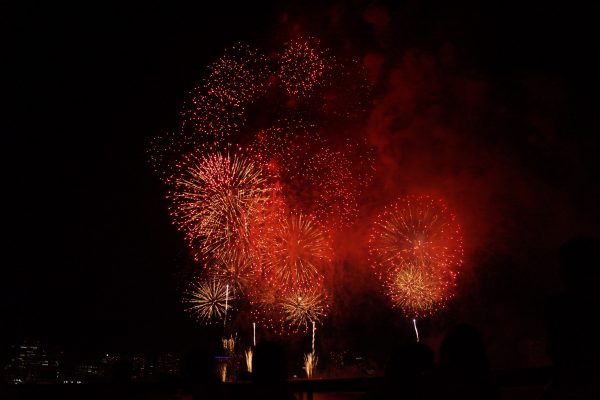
(238, 76)
(303, 308)
(418, 289)
(301, 67)
(208, 300)
(288, 312)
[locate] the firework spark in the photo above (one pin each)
(207, 300)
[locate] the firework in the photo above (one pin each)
(223, 372)
(288, 312)
(265, 303)
(310, 363)
(416, 247)
(416, 228)
(418, 288)
(238, 76)
(217, 109)
(214, 199)
(207, 300)
(228, 345)
(254, 184)
(297, 253)
(248, 356)
(301, 67)
(316, 177)
(303, 308)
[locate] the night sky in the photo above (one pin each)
(91, 259)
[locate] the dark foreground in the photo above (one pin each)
(513, 384)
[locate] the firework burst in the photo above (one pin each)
(208, 300)
(301, 67)
(416, 248)
(239, 76)
(295, 256)
(419, 289)
(302, 308)
(214, 200)
(416, 228)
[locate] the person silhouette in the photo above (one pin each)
(269, 373)
(464, 368)
(407, 374)
(200, 376)
(571, 336)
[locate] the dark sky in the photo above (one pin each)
(89, 250)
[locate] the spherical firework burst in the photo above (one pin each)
(288, 312)
(238, 76)
(302, 308)
(301, 67)
(418, 289)
(294, 257)
(416, 228)
(208, 300)
(416, 248)
(214, 198)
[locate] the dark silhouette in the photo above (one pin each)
(464, 371)
(200, 376)
(572, 339)
(407, 374)
(122, 372)
(269, 373)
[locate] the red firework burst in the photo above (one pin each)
(416, 249)
(301, 67)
